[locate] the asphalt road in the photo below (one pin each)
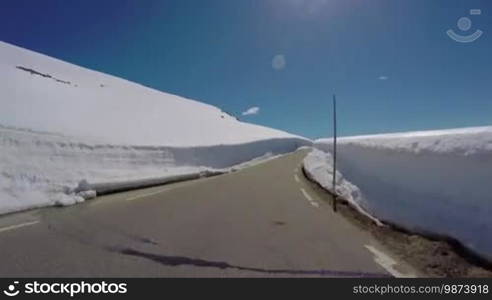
(261, 221)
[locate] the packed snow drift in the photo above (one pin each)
(435, 182)
(318, 166)
(62, 125)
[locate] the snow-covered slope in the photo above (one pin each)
(80, 102)
(431, 181)
(61, 124)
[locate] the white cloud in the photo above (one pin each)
(251, 111)
(279, 62)
(383, 77)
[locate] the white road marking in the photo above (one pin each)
(306, 195)
(309, 198)
(296, 178)
(169, 188)
(12, 227)
(148, 194)
(387, 262)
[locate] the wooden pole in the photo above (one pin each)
(334, 152)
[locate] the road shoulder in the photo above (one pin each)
(431, 257)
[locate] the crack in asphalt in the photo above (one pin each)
(196, 262)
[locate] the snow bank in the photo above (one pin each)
(435, 182)
(63, 125)
(40, 169)
(318, 166)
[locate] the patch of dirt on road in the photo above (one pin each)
(432, 256)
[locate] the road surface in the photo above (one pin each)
(261, 221)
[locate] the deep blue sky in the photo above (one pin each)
(220, 52)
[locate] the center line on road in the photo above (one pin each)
(309, 198)
(147, 194)
(169, 188)
(296, 178)
(12, 227)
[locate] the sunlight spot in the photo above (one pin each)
(279, 62)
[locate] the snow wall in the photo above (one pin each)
(42, 169)
(436, 182)
(64, 125)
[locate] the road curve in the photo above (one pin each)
(258, 222)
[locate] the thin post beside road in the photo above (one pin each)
(334, 152)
